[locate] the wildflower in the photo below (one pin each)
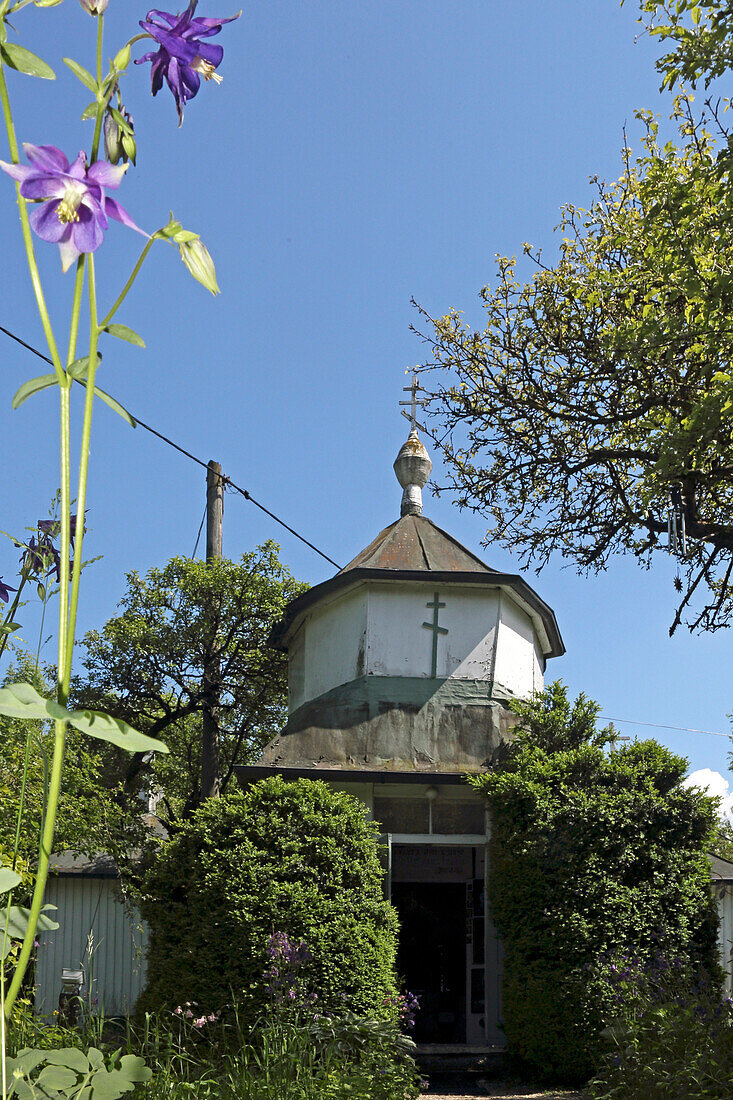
(212, 1018)
(74, 208)
(188, 1013)
(5, 590)
(200, 1022)
(94, 7)
(182, 58)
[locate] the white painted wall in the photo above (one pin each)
(377, 630)
(516, 664)
(334, 638)
(399, 644)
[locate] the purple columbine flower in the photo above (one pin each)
(5, 590)
(182, 58)
(74, 206)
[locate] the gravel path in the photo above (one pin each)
(498, 1091)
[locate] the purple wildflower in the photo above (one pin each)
(74, 208)
(182, 58)
(5, 590)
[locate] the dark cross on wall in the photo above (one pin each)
(436, 606)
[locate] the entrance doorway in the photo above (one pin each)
(432, 956)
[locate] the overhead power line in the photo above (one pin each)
(661, 726)
(182, 450)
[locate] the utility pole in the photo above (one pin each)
(211, 686)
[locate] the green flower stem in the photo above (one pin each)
(76, 309)
(101, 107)
(83, 469)
(3, 1044)
(63, 678)
(26, 229)
(128, 285)
(21, 801)
(44, 854)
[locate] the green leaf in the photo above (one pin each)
(70, 1057)
(27, 1059)
(134, 1068)
(122, 332)
(90, 111)
(80, 367)
(57, 1077)
(18, 57)
(18, 921)
(33, 385)
(82, 74)
(9, 628)
(113, 404)
(23, 701)
(9, 879)
(105, 728)
(119, 409)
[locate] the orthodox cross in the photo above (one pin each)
(413, 403)
(436, 606)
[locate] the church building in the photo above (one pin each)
(400, 669)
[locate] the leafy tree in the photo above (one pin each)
(598, 864)
(597, 402)
(702, 33)
(722, 843)
(186, 633)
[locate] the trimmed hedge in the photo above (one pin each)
(597, 862)
(298, 858)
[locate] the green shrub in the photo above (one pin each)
(677, 1050)
(298, 858)
(594, 855)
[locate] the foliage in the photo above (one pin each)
(702, 33)
(290, 1054)
(147, 666)
(70, 1074)
(597, 401)
(722, 842)
(298, 857)
(676, 1049)
(594, 856)
(91, 817)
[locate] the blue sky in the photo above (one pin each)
(355, 155)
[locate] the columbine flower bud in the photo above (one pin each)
(119, 138)
(195, 256)
(94, 7)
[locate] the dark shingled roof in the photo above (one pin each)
(415, 543)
